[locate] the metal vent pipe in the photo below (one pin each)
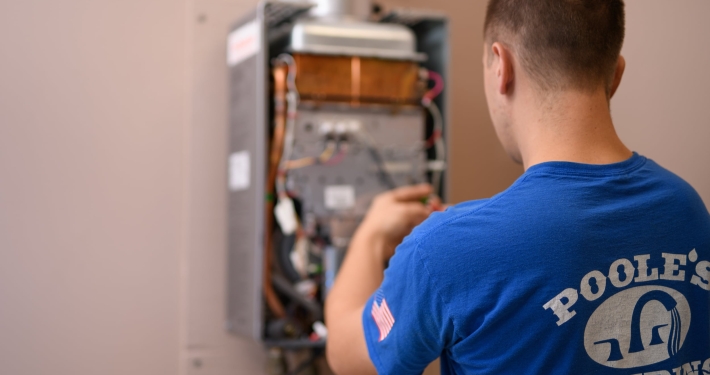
(357, 9)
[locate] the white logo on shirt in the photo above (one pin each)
(639, 326)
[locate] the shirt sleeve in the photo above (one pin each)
(405, 321)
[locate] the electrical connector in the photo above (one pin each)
(326, 128)
(285, 213)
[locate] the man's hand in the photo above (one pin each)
(392, 216)
(395, 213)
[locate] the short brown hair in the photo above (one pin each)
(561, 43)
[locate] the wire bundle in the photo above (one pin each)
(436, 139)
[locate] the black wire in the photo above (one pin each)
(283, 256)
(382, 173)
(314, 355)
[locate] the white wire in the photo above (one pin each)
(292, 99)
(440, 146)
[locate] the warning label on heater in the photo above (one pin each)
(239, 171)
(339, 197)
(243, 43)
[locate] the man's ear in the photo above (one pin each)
(504, 71)
(618, 74)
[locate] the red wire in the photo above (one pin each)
(429, 97)
(437, 89)
(432, 140)
(339, 157)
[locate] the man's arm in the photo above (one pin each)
(392, 216)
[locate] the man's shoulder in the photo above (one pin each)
(674, 184)
(441, 223)
(439, 220)
(449, 230)
(478, 211)
(540, 202)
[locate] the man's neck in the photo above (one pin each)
(572, 126)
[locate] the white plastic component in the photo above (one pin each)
(299, 256)
(286, 216)
(306, 288)
(320, 329)
(341, 127)
(326, 128)
(339, 197)
(353, 126)
(436, 165)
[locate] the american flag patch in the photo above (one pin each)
(382, 315)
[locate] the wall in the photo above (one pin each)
(661, 109)
(91, 186)
(209, 349)
(112, 160)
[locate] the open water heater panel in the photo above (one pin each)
(328, 108)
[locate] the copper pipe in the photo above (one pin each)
(356, 83)
(277, 142)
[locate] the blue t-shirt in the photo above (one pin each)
(575, 269)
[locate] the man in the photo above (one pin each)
(596, 261)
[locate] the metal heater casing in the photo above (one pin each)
(253, 43)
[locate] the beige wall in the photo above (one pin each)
(208, 344)
(661, 109)
(92, 171)
(112, 160)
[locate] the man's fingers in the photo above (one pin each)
(410, 193)
(417, 213)
(436, 204)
